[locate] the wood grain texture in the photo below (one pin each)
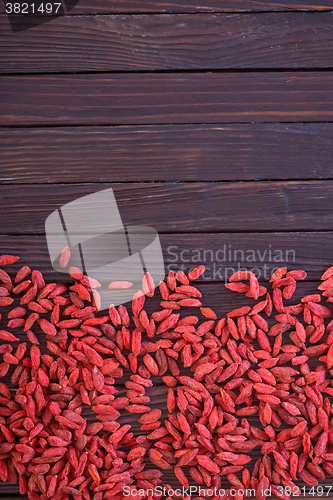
(165, 98)
(221, 300)
(171, 207)
(166, 153)
(170, 42)
(201, 5)
(219, 252)
(155, 6)
(201, 217)
(11, 492)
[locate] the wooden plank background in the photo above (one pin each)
(155, 6)
(164, 42)
(170, 207)
(127, 99)
(221, 152)
(211, 120)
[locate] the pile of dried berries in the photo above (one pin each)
(238, 367)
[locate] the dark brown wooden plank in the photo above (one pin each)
(165, 98)
(199, 5)
(170, 42)
(221, 253)
(196, 207)
(154, 6)
(167, 153)
(11, 492)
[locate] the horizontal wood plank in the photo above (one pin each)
(166, 153)
(170, 42)
(221, 253)
(167, 6)
(171, 207)
(165, 98)
(11, 492)
(201, 5)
